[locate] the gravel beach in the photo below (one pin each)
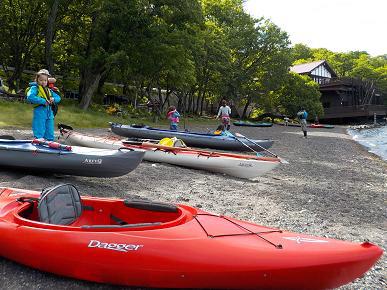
(332, 187)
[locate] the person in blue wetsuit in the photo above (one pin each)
(43, 98)
(302, 116)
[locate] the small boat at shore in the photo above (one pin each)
(193, 139)
(253, 124)
(289, 124)
(51, 157)
(237, 165)
(322, 126)
(149, 244)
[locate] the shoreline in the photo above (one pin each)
(332, 187)
(367, 142)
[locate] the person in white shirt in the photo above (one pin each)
(224, 112)
(286, 119)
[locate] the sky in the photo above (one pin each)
(338, 25)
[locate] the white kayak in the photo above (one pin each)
(238, 165)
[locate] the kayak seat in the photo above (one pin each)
(60, 205)
(150, 205)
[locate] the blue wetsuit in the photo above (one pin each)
(43, 119)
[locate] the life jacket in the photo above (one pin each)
(172, 142)
(45, 94)
(218, 132)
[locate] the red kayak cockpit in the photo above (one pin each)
(62, 208)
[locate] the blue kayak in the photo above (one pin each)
(193, 139)
(52, 157)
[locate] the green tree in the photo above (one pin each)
(297, 91)
(110, 29)
(22, 27)
(301, 51)
(257, 52)
(172, 32)
(260, 61)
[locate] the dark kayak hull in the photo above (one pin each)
(23, 155)
(192, 139)
(250, 124)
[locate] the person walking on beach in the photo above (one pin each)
(302, 115)
(173, 115)
(44, 98)
(224, 112)
(286, 120)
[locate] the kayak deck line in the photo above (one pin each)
(249, 232)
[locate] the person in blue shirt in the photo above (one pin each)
(43, 98)
(302, 116)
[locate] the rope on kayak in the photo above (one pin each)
(249, 232)
(255, 143)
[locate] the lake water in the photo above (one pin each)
(374, 139)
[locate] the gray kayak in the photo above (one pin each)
(57, 158)
(193, 139)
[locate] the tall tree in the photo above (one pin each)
(296, 91)
(50, 34)
(112, 25)
(22, 26)
(301, 51)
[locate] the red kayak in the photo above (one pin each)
(147, 244)
(321, 126)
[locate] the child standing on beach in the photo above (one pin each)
(173, 115)
(43, 98)
(225, 112)
(286, 120)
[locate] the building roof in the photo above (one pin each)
(306, 67)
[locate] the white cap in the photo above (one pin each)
(43, 72)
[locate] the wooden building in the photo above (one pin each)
(343, 97)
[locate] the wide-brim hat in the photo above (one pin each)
(43, 72)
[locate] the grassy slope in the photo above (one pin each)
(19, 115)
